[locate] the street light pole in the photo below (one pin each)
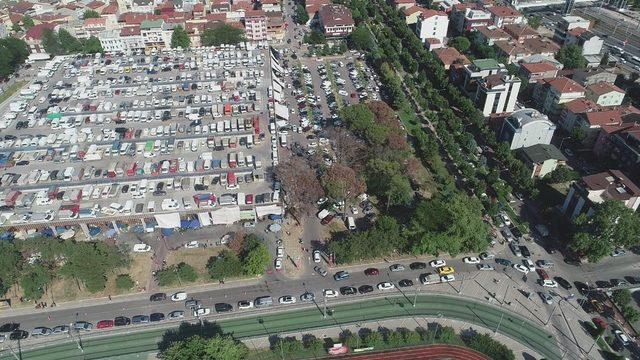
(415, 298)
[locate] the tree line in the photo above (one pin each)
(61, 42)
(228, 348)
(13, 53)
(223, 34)
(247, 255)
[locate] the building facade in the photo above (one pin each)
(527, 127)
(497, 94)
(432, 25)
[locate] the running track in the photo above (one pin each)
(424, 353)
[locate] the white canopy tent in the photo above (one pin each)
(225, 215)
(204, 218)
(168, 221)
(262, 211)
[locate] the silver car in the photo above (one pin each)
(40, 331)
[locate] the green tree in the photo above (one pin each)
(180, 38)
(92, 46)
(256, 257)
(485, 344)
(167, 276)
(34, 281)
(630, 314)
(535, 21)
(461, 43)
(361, 39)
(611, 225)
(562, 174)
(90, 14)
(312, 343)
(91, 262)
(450, 225)
(301, 15)
(186, 272)
(196, 347)
(68, 42)
(622, 297)
(571, 57)
(16, 27)
(51, 42)
(225, 34)
(374, 339)
(316, 37)
(225, 265)
(124, 282)
(13, 53)
(27, 22)
(399, 191)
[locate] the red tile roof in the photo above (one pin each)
(576, 31)
(602, 88)
(538, 67)
(600, 118)
(504, 11)
(35, 32)
(130, 31)
(563, 85)
(610, 181)
(95, 22)
(450, 55)
(110, 9)
(427, 13)
(579, 106)
(95, 4)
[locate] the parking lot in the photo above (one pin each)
(133, 136)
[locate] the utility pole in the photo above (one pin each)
(324, 312)
(18, 356)
(78, 340)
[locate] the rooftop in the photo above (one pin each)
(450, 55)
(335, 14)
(601, 118)
(525, 116)
(579, 106)
(538, 67)
(486, 64)
(542, 152)
(602, 88)
(563, 85)
(504, 11)
(613, 183)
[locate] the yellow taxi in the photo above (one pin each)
(446, 270)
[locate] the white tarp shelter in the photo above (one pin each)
(225, 215)
(204, 218)
(262, 211)
(282, 111)
(168, 221)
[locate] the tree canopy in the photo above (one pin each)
(224, 34)
(92, 45)
(612, 225)
(196, 347)
(90, 14)
(461, 43)
(301, 15)
(361, 38)
(451, 225)
(224, 266)
(13, 53)
(180, 38)
(27, 22)
(252, 259)
(571, 57)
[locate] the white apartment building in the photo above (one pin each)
(432, 24)
(497, 93)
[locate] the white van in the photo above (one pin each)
(351, 223)
(151, 206)
(128, 206)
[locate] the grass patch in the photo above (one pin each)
(8, 92)
(197, 258)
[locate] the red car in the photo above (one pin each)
(248, 199)
(372, 272)
(104, 324)
(543, 274)
(327, 219)
(600, 322)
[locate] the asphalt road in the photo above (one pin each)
(310, 317)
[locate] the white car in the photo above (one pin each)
(386, 286)
(179, 296)
(447, 278)
(396, 267)
(487, 256)
(438, 263)
(279, 252)
(192, 244)
(245, 304)
(523, 269)
(329, 293)
(354, 210)
(201, 311)
(485, 267)
(529, 264)
(287, 299)
(316, 256)
(549, 283)
(471, 260)
(278, 264)
(140, 248)
(169, 204)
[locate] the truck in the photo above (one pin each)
(323, 214)
(204, 200)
